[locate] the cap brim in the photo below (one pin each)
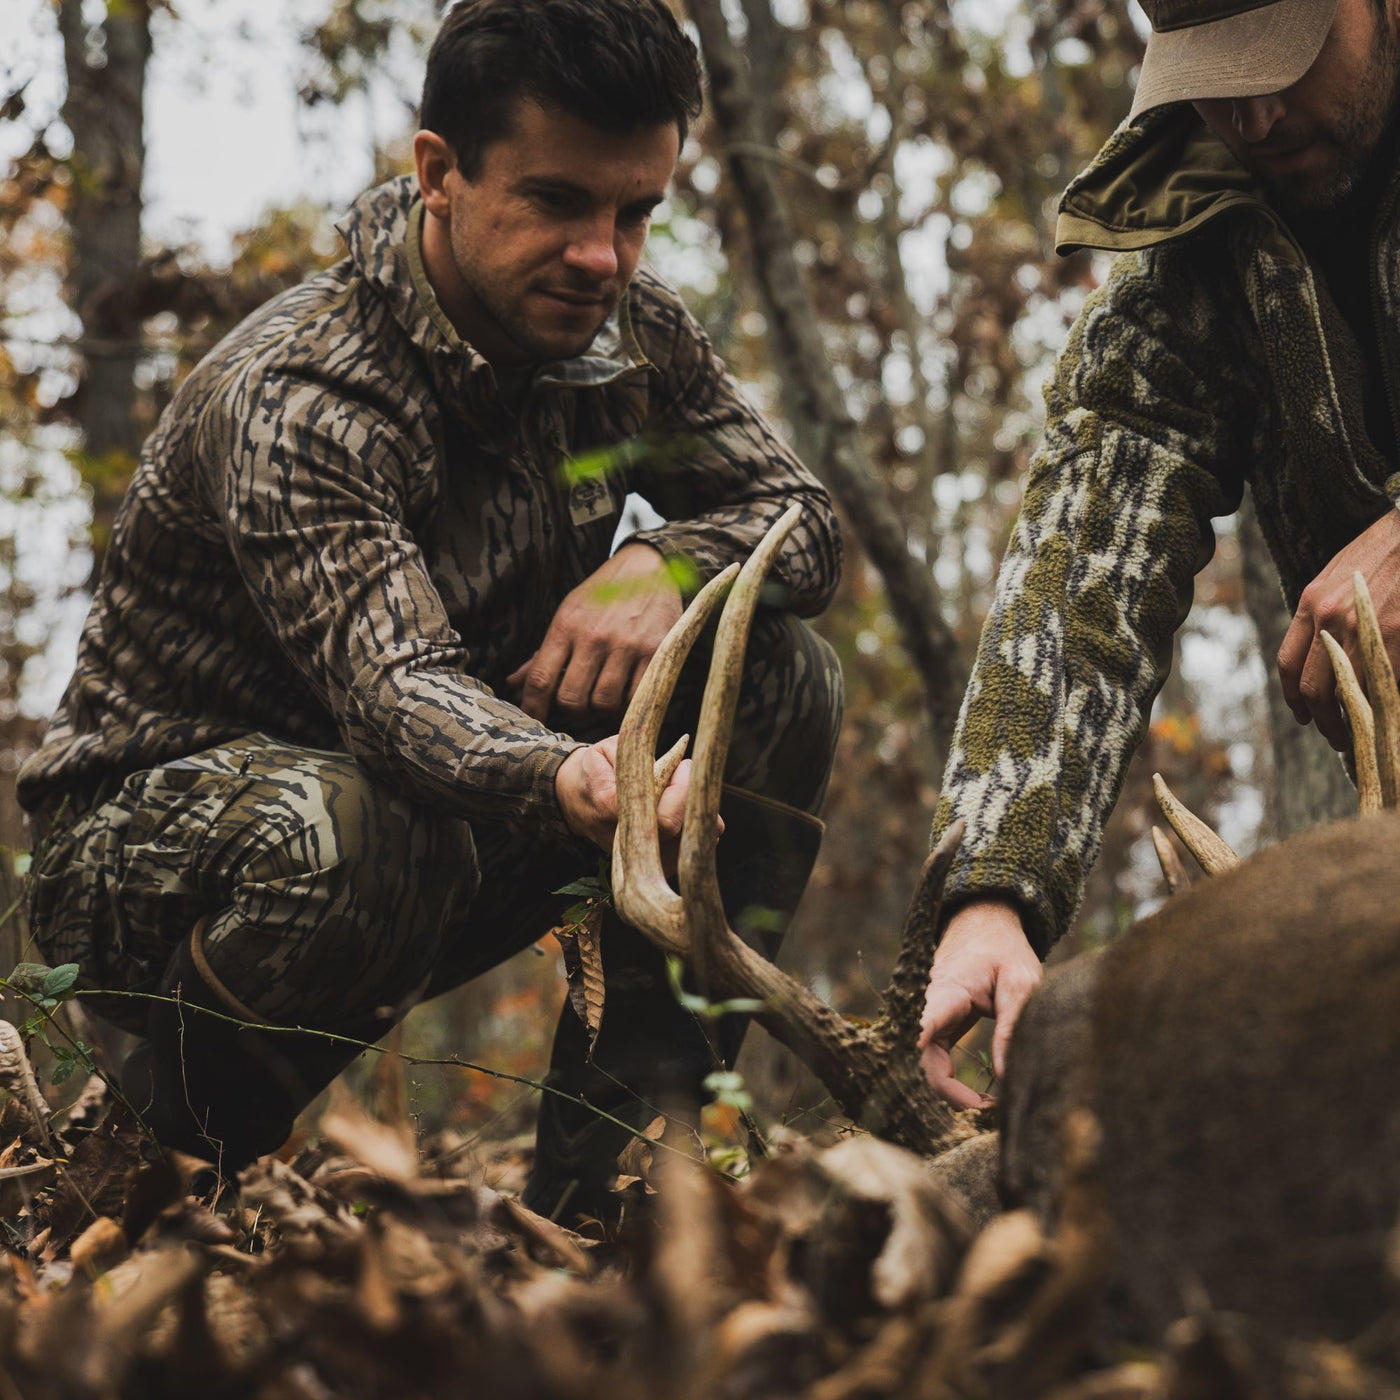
(1247, 55)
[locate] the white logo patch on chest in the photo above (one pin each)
(589, 500)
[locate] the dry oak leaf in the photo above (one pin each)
(583, 966)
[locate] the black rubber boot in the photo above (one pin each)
(651, 1052)
(222, 1091)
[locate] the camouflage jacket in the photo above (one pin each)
(340, 535)
(1211, 358)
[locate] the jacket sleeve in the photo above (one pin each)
(309, 488)
(1149, 427)
(721, 475)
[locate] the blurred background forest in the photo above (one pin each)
(864, 225)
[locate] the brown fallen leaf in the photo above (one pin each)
(583, 967)
(17, 1078)
(386, 1148)
(100, 1246)
(634, 1162)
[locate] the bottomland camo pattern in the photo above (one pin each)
(343, 532)
(324, 896)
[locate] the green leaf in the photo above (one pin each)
(702, 1006)
(60, 979)
(64, 1069)
(675, 971)
(681, 570)
(27, 977)
(604, 461)
(736, 1006)
(590, 887)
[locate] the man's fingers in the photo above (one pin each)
(938, 1070)
(639, 669)
(542, 674)
(1010, 1003)
(1292, 655)
(949, 1014)
(670, 810)
(612, 688)
(575, 692)
(1318, 687)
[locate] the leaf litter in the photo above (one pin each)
(371, 1267)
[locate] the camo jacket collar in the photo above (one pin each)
(383, 235)
(1160, 179)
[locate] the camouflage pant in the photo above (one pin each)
(324, 898)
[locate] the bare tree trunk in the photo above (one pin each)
(939, 431)
(106, 69)
(1309, 785)
(827, 436)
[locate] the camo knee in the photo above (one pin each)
(321, 895)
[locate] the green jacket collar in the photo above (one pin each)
(1157, 180)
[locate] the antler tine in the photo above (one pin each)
(644, 898)
(699, 883)
(1173, 872)
(904, 1000)
(1363, 728)
(1212, 854)
(665, 767)
(1380, 686)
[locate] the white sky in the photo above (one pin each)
(226, 136)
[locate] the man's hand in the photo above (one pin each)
(602, 637)
(1326, 606)
(586, 789)
(984, 966)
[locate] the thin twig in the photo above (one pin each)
(450, 1062)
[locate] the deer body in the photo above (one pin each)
(1240, 1050)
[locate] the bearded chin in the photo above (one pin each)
(1318, 195)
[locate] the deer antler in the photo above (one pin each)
(1212, 854)
(1380, 686)
(1375, 741)
(1363, 728)
(872, 1073)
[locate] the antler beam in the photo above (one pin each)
(873, 1073)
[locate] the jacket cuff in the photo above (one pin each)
(985, 878)
(543, 815)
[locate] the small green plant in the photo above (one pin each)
(593, 891)
(46, 989)
(701, 1006)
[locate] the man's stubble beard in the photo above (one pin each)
(511, 322)
(1356, 138)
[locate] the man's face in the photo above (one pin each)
(1311, 142)
(545, 239)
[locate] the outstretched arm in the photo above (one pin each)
(1149, 421)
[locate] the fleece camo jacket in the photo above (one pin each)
(343, 535)
(1213, 357)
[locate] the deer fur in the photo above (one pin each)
(1240, 1050)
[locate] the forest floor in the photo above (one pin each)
(365, 1264)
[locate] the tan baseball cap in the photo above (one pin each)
(1228, 48)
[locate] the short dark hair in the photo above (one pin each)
(616, 64)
